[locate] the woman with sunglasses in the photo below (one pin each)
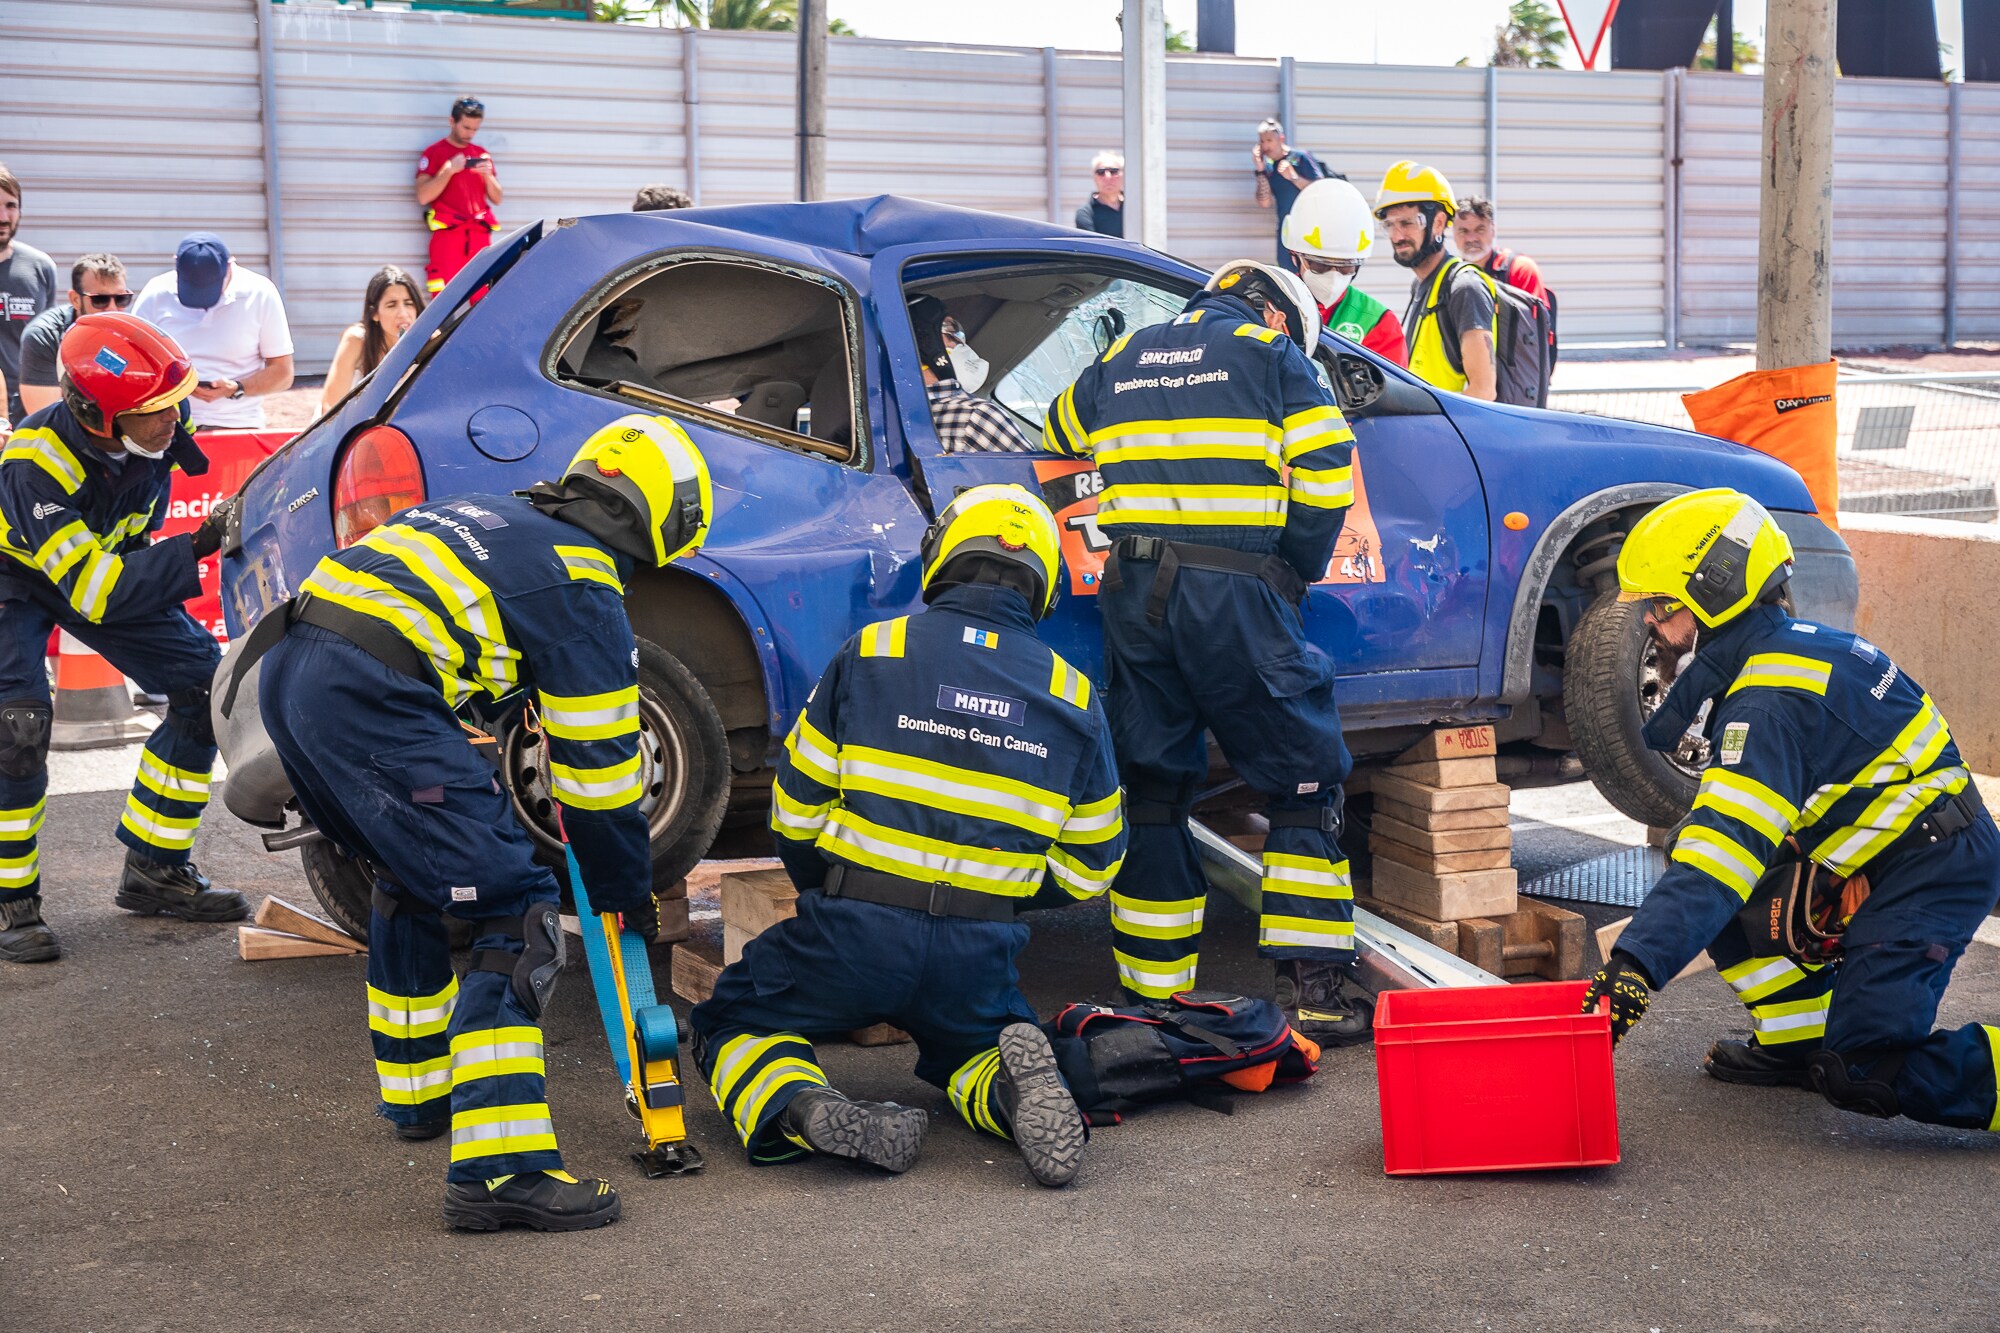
(96, 286)
(1329, 231)
(393, 301)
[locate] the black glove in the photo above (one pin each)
(1621, 982)
(644, 917)
(208, 537)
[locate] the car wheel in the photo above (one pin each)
(1612, 682)
(341, 885)
(683, 766)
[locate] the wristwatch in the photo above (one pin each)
(238, 393)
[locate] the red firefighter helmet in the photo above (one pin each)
(116, 363)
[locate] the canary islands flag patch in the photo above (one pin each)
(981, 638)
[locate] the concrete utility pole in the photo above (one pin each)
(1145, 25)
(1795, 212)
(812, 100)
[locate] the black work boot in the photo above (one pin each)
(24, 936)
(541, 1200)
(1037, 1107)
(151, 887)
(422, 1131)
(880, 1133)
(1759, 1066)
(1324, 1002)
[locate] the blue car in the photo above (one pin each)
(1472, 584)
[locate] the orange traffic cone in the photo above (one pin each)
(93, 707)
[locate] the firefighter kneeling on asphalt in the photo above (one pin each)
(460, 598)
(946, 768)
(1227, 473)
(1838, 858)
(83, 483)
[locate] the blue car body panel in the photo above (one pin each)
(807, 549)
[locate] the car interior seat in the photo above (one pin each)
(774, 403)
(833, 403)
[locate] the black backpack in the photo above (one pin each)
(1189, 1046)
(1523, 343)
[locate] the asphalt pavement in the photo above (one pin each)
(190, 1143)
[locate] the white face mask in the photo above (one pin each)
(137, 452)
(1327, 288)
(969, 368)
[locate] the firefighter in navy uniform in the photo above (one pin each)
(1821, 750)
(946, 768)
(1227, 473)
(83, 484)
(463, 599)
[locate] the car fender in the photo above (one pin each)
(1548, 550)
(758, 631)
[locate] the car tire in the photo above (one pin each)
(694, 757)
(1609, 690)
(687, 767)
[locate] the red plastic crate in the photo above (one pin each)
(1494, 1078)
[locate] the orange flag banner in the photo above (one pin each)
(1787, 414)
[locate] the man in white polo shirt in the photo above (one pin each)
(231, 323)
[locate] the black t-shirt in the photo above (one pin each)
(27, 288)
(1465, 303)
(1093, 214)
(40, 342)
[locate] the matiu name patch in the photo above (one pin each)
(992, 707)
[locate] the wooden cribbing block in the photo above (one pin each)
(1607, 939)
(752, 902)
(1437, 821)
(285, 918)
(1451, 897)
(678, 889)
(1439, 841)
(1427, 796)
(1656, 836)
(696, 965)
(255, 944)
(1451, 743)
(1440, 863)
(1443, 934)
(1446, 773)
(673, 920)
(1536, 940)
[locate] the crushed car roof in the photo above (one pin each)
(867, 226)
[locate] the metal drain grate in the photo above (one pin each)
(1618, 879)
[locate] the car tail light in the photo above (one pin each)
(378, 475)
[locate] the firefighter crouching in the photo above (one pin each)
(945, 768)
(1838, 858)
(477, 597)
(83, 484)
(1227, 473)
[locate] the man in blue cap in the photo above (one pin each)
(231, 323)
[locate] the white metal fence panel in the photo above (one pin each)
(749, 116)
(1979, 211)
(1582, 191)
(131, 123)
(1890, 159)
(959, 125)
(1213, 106)
(578, 116)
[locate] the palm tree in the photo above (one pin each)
(1745, 51)
(1531, 38)
(738, 15)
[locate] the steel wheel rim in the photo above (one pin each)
(663, 776)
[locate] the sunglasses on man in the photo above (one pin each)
(1111, 171)
(107, 300)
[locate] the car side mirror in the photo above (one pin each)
(1356, 382)
(1107, 327)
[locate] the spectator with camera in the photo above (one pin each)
(457, 189)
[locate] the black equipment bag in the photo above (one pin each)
(1116, 1060)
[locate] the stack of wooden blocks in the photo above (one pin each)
(282, 930)
(752, 901)
(1443, 862)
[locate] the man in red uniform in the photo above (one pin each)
(457, 188)
(1472, 233)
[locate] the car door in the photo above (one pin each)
(1402, 604)
(1061, 309)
